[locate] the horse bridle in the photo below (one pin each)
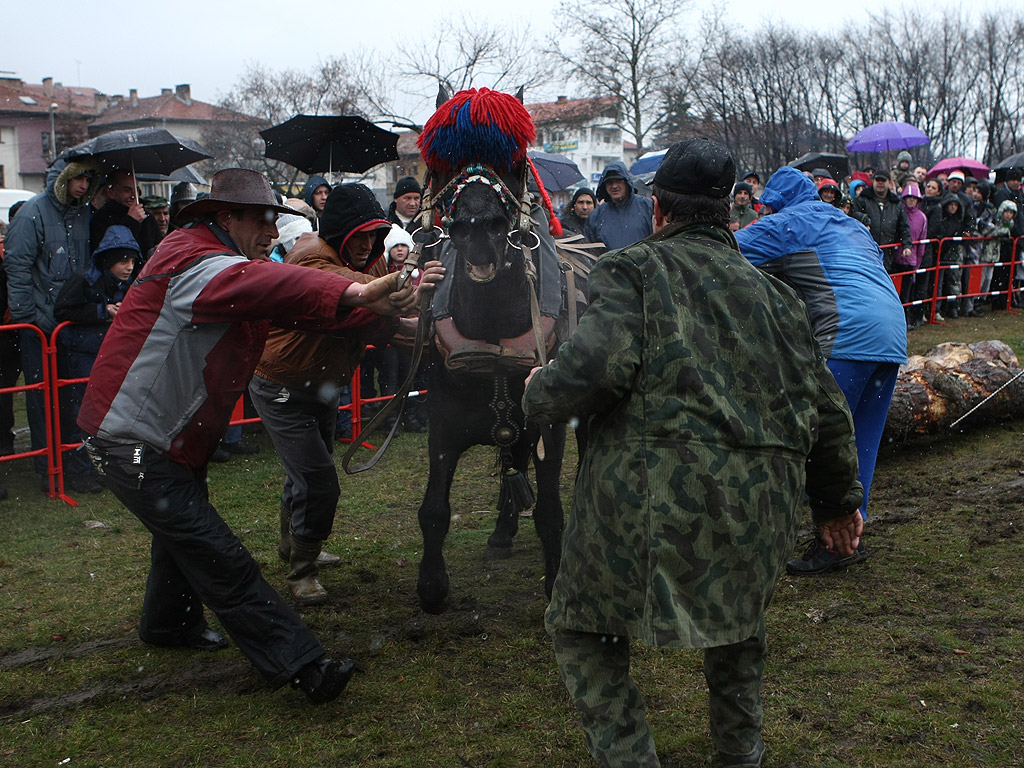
(517, 240)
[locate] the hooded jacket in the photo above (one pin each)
(943, 224)
(619, 224)
(918, 222)
(885, 217)
(84, 298)
(834, 265)
(308, 359)
(313, 183)
(46, 244)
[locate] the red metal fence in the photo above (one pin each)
(51, 383)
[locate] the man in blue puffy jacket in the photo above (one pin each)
(833, 263)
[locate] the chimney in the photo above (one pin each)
(100, 101)
(184, 92)
(165, 91)
(133, 97)
(562, 100)
(48, 87)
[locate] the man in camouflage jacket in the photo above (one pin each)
(712, 415)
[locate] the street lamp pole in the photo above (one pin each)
(53, 132)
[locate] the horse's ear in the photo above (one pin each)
(519, 94)
(442, 96)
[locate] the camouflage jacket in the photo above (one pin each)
(712, 414)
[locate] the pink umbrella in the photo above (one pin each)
(965, 164)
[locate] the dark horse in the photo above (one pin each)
(485, 334)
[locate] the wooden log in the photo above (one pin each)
(935, 389)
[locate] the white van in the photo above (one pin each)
(9, 197)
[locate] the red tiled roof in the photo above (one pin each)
(167, 106)
(15, 96)
(570, 110)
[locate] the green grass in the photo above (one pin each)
(912, 658)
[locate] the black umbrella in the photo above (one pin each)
(141, 150)
(837, 165)
(557, 172)
(182, 174)
(1013, 161)
(316, 143)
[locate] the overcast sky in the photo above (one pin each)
(208, 44)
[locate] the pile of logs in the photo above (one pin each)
(936, 389)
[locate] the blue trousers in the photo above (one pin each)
(868, 387)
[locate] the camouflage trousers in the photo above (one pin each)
(595, 670)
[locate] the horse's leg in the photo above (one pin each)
(435, 517)
(515, 496)
(547, 513)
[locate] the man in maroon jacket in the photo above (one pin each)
(178, 356)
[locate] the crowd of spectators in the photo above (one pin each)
(918, 219)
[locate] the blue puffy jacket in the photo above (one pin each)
(834, 264)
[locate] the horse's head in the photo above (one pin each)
(475, 147)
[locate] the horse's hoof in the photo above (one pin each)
(434, 609)
(433, 594)
(497, 553)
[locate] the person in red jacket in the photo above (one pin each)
(179, 354)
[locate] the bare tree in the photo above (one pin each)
(622, 48)
(469, 53)
(271, 97)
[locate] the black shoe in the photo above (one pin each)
(207, 640)
(3, 494)
(82, 484)
(754, 760)
(820, 559)
(976, 313)
(240, 448)
(220, 456)
(323, 680)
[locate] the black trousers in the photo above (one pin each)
(196, 559)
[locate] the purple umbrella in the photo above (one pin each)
(973, 167)
(883, 137)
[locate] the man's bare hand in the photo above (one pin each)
(843, 534)
(430, 276)
(380, 295)
(136, 211)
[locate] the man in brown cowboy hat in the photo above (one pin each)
(178, 356)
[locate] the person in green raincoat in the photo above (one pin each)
(712, 417)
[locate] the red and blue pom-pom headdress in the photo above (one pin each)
(477, 126)
(480, 127)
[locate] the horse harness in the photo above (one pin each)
(460, 353)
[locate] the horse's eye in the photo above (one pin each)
(497, 226)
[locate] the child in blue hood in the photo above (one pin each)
(90, 301)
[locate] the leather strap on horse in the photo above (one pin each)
(396, 405)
